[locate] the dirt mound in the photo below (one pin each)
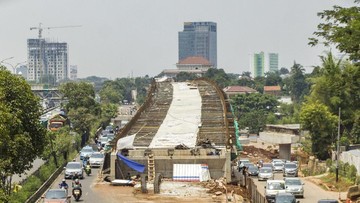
(255, 154)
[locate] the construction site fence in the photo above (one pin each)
(254, 192)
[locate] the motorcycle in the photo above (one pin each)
(87, 170)
(77, 193)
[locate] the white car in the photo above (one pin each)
(272, 188)
(294, 186)
(266, 173)
(96, 159)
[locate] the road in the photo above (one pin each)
(312, 193)
(87, 183)
(36, 165)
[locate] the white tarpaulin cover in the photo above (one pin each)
(191, 172)
(125, 142)
(182, 121)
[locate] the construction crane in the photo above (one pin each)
(40, 28)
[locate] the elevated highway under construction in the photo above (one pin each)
(179, 123)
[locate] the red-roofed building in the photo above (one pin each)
(273, 90)
(194, 63)
(231, 91)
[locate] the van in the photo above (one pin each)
(272, 188)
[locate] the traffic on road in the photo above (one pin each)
(281, 176)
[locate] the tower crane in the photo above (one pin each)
(40, 28)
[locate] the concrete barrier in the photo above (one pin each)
(45, 185)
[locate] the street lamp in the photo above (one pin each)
(13, 67)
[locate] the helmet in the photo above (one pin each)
(63, 180)
(76, 181)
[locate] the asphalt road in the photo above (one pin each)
(87, 187)
(312, 192)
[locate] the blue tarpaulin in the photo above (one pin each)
(132, 164)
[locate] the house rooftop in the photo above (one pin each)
(191, 60)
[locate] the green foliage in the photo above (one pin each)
(80, 95)
(22, 136)
(284, 71)
(337, 85)
(296, 84)
(340, 27)
(111, 93)
(184, 76)
(219, 76)
(251, 108)
(321, 124)
(273, 79)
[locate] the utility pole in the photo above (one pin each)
(337, 148)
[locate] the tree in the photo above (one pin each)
(297, 85)
(80, 94)
(284, 71)
(272, 79)
(321, 124)
(82, 107)
(337, 84)
(111, 92)
(22, 138)
(341, 27)
(251, 108)
(184, 76)
(219, 76)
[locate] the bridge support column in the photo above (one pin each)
(285, 151)
(113, 158)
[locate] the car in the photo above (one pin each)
(294, 186)
(109, 128)
(285, 198)
(290, 169)
(267, 165)
(278, 167)
(74, 168)
(328, 201)
(252, 170)
(272, 188)
(103, 140)
(86, 151)
(242, 162)
(277, 161)
(96, 159)
(265, 173)
(56, 195)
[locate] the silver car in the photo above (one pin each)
(294, 186)
(278, 167)
(74, 169)
(265, 173)
(290, 169)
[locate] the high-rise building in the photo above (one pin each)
(198, 39)
(47, 59)
(73, 72)
(22, 70)
(259, 64)
(273, 62)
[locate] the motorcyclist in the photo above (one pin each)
(86, 160)
(63, 184)
(76, 185)
(88, 168)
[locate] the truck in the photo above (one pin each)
(57, 121)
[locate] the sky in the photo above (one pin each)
(124, 38)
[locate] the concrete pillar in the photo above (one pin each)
(227, 165)
(285, 151)
(112, 165)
